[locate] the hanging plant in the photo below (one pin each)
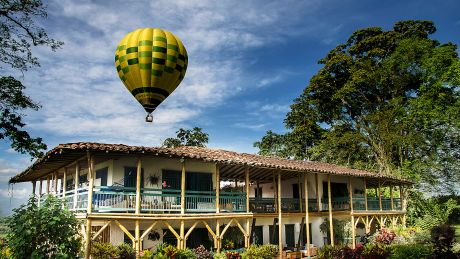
(153, 180)
(154, 236)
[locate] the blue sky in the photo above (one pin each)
(247, 61)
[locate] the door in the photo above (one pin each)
(131, 177)
(258, 236)
(273, 235)
(290, 238)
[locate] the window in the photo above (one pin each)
(102, 174)
(131, 177)
(337, 190)
(258, 192)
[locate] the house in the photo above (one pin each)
(193, 195)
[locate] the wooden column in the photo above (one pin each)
(137, 235)
(33, 187)
(307, 214)
(47, 184)
(353, 230)
(318, 198)
(217, 189)
(300, 192)
(391, 198)
(182, 234)
(76, 183)
(40, 186)
(280, 222)
(380, 197)
(64, 182)
(331, 225)
(247, 188)
(138, 186)
(90, 205)
(365, 194)
(182, 188)
(218, 240)
(248, 233)
(403, 204)
(275, 192)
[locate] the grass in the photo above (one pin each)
(457, 232)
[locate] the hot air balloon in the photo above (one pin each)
(151, 63)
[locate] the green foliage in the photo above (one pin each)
(146, 254)
(220, 255)
(48, 231)
(419, 251)
(267, 251)
(443, 237)
(201, 253)
(192, 254)
(376, 251)
(18, 33)
(340, 227)
(166, 251)
(4, 227)
(427, 213)
(101, 250)
(186, 137)
(328, 251)
(126, 251)
(386, 101)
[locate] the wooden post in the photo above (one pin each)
(307, 214)
(182, 234)
(137, 240)
(138, 186)
(365, 194)
(403, 205)
(33, 187)
(90, 205)
(218, 241)
(47, 184)
(64, 182)
(353, 230)
(318, 198)
(247, 188)
(331, 226)
(391, 198)
(217, 189)
(380, 197)
(248, 232)
(40, 186)
(275, 192)
(182, 188)
(280, 222)
(55, 183)
(300, 192)
(76, 182)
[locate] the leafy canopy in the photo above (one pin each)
(46, 231)
(384, 100)
(18, 34)
(188, 137)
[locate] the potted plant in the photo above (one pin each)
(153, 179)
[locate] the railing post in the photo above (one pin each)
(247, 188)
(182, 188)
(90, 205)
(76, 183)
(280, 223)
(380, 197)
(217, 188)
(331, 226)
(365, 195)
(352, 213)
(138, 186)
(307, 214)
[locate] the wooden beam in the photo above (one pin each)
(182, 235)
(88, 239)
(248, 237)
(137, 243)
(225, 228)
(130, 236)
(299, 187)
(318, 198)
(380, 197)
(331, 225)
(138, 185)
(217, 238)
(47, 184)
(91, 183)
(214, 235)
(101, 230)
(353, 230)
(33, 187)
(55, 183)
(147, 231)
(247, 188)
(40, 186)
(275, 192)
(217, 169)
(64, 182)
(182, 188)
(75, 190)
(307, 214)
(190, 232)
(241, 228)
(391, 198)
(365, 195)
(280, 222)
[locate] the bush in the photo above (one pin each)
(201, 253)
(146, 254)
(267, 251)
(232, 255)
(47, 231)
(328, 252)
(126, 251)
(418, 251)
(385, 236)
(103, 251)
(443, 237)
(377, 251)
(220, 255)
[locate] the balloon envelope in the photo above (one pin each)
(151, 62)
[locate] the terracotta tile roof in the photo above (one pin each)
(205, 154)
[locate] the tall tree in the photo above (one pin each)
(188, 137)
(386, 101)
(18, 34)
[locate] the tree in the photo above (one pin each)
(46, 231)
(18, 34)
(187, 137)
(386, 101)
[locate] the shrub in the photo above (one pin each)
(220, 255)
(146, 254)
(418, 251)
(328, 252)
(201, 253)
(443, 237)
(385, 236)
(103, 251)
(377, 251)
(126, 251)
(45, 231)
(232, 255)
(267, 251)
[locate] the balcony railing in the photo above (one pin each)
(373, 203)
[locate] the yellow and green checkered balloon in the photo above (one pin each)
(151, 62)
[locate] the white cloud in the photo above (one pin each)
(20, 193)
